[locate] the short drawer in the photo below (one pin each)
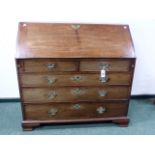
(108, 64)
(61, 111)
(49, 80)
(49, 65)
(69, 94)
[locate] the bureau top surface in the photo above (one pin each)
(53, 40)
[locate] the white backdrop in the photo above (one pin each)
(139, 14)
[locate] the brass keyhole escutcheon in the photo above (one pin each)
(75, 26)
(51, 66)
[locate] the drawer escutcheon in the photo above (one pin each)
(51, 66)
(75, 26)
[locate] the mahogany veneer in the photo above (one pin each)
(71, 73)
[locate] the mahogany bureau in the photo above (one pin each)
(72, 73)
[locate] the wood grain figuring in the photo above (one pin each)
(42, 80)
(67, 95)
(62, 41)
(66, 111)
(59, 72)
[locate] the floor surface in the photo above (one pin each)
(141, 114)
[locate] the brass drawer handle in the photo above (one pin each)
(52, 95)
(51, 66)
(75, 26)
(101, 110)
(76, 107)
(51, 79)
(104, 79)
(103, 93)
(77, 92)
(104, 66)
(76, 78)
(52, 111)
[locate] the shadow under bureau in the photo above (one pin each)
(72, 73)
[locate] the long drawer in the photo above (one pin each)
(69, 94)
(58, 111)
(47, 80)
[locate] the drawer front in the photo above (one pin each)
(70, 94)
(49, 65)
(47, 80)
(110, 65)
(58, 111)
